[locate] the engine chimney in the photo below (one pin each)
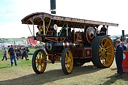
(123, 36)
(53, 6)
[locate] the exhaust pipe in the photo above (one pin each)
(53, 6)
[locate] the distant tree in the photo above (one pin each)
(22, 37)
(3, 40)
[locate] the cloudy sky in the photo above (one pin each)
(12, 11)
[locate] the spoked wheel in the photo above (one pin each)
(39, 61)
(102, 51)
(67, 61)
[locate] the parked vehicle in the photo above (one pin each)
(70, 41)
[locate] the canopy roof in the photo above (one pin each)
(40, 16)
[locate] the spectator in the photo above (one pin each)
(27, 50)
(125, 44)
(24, 54)
(119, 59)
(16, 53)
(12, 55)
(5, 55)
(103, 30)
(19, 52)
(124, 47)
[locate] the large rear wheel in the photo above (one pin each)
(39, 61)
(67, 61)
(102, 51)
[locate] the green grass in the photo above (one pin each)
(16, 39)
(23, 74)
(31, 51)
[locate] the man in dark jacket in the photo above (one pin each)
(27, 50)
(12, 55)
(103, 30)
(5, 54)
(119, 58)
(24, 54)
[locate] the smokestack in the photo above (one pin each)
(53, 6)
(122, 35)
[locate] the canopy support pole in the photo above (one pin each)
(67, 29)
(44, 27)
(33, 29)
(29, 29)
(107, 30)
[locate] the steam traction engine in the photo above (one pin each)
(70, 41)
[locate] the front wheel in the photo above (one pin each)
(39, 61)
(67, 61)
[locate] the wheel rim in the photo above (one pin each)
(106, 52)
(41, 61)
(69, 61)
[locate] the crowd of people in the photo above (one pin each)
(124, 45)
(16, 54)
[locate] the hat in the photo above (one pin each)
(118, 41)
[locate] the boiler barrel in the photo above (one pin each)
(58, 47)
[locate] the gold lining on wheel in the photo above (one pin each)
(106, 52)
(69, 61)
(40, 61)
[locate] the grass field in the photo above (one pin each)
(16, 39)
(85, 75)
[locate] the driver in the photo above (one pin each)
(40, 28)
(103, 30)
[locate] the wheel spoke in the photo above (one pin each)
(105, 43)
(66, 65)
(101, 58)
(37, 66)
(43, 57)
(66, 62)
(100, 54)
(66, 55)
(107, 59)
(69, 54)
(37, 57)
(104, 62)
(108, 53)
(100, 48)
(108, 47)
(41, 65)
(102, 43)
